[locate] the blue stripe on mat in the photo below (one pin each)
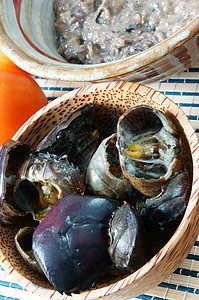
(179, 93)
(169, 286)
(60, 89)
(176, 80)
(194, 257)
(55, 88)
(191, 81)
(190, 94)
(10, 284)
(147, 297)
(51, 98)
(193, 118)
(163, 92)
(7, 298)
(16, 286)
(188, 104)
(186, 272)
(192, 70)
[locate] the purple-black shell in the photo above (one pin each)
(71, 242)
(12, 155)
(170, 204)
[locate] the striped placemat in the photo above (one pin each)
(183, 284)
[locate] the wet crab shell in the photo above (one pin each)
(43, 179)
(128, 240)
(71, 242)
(104, 175)
(76, 136)
(23, 242)
(170, 204)
(60, 138)
(12, 156)
(149, 147)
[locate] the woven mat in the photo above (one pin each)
(183, 284)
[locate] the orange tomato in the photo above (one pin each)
(5, 62)
(20, 97)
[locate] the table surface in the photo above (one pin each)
(183, 284)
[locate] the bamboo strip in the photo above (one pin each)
(185, 281)
(172, 294)
(190, 264)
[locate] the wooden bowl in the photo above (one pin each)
(112, 97)
(27, 36)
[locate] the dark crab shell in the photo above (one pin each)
(128, 240)
(61, 138)
(23, 242)
(43, 179)
(12, 156)
(170, 204)
(71, 242)
(104, 175)
(76, 136)
(149, 147)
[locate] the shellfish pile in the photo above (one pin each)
(104, 199)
